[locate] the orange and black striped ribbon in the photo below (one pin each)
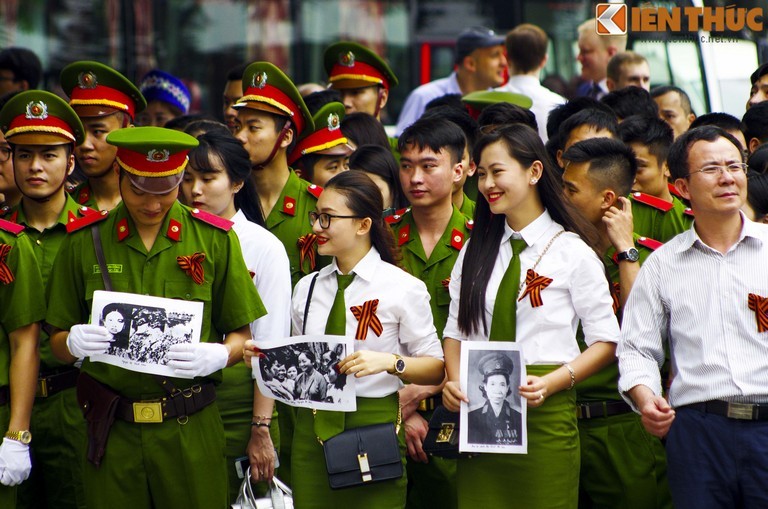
(6, 275)
(616, 296)
(366, 317)
(534, 284)
(446, 282)
(307, 250)
(760, 306)
(193, 266)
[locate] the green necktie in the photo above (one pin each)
(329, 424)
(504, 320)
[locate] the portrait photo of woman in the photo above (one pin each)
(496, 421)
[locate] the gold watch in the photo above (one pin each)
(399, 366)
(24, 436)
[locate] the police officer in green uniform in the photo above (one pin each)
(271, 115)
(21, 310)
(621, 464)
(43, 131)
(430, 236)
(105, 101)
(321, 152)
(167, 437)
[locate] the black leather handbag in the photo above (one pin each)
(364, 455)
(442, 438)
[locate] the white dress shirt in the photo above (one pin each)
(266, 258)
(696, 299)
(579, 291)
(403, 310)
(544, 100)
(419, 98)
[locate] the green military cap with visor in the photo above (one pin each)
(352, 65)
(326, 139)
(97, 90)
(37, 117)
(481, 99)
(154, 158)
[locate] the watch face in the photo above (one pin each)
(25, 437)
(633, 254)
(400, 365)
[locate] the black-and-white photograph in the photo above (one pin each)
(494, 420)
(302, 371)
(143, 329)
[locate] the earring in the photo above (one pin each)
(533, 181)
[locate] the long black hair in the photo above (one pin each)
(377, 160)
(236, 161)
(364, 199)
(524, 145)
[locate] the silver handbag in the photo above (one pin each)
(279, 496)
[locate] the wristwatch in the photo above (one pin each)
(630, 255)
(399, 366)
(24, 436)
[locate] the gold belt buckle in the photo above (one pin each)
(742, 411)
(445, 434)
(148, 412)
(42, 388)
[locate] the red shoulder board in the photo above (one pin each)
(393, 219)
(649, 243)
(688, 212)
(212, 219)
(87, 211)
(11, 227)
(673, 190)
(314, 190)
(653, 201)
(289, 206)
(79, 224)
(469, 224)
(457, 239)
(84, 195)
(404, 235)
(174, 230)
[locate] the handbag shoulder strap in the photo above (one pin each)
(309, 300)
(100, 257)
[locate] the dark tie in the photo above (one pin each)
(328, 424)
(504, 320)
(595, 91)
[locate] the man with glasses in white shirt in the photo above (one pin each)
(703, 295)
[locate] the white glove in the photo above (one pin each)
(15, 464)
(189, 360)
(85, 340)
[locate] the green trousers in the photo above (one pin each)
(545, 478)
(622, 465)
(166, 465)
(58, 453)
(311, 489)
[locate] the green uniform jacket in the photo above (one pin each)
(46, 245)
(231, 301)
(435, 271)
(82, 195)
(603, 385)
(659, 219)
(20, 289)
(468, 207)
(289, 221)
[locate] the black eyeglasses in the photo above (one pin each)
(5, 154)
(325, 219)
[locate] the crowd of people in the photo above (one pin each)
(617, 237)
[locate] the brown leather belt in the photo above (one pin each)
(602, 409)
(5, 395)
(54, 382)
(430, 403)
(740, 411)
(180, 405)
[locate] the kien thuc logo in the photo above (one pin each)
(611, 19)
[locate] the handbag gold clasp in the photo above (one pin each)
(365, 469)
(446, 432)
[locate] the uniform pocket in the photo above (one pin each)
(186, 289)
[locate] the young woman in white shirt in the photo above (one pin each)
(521, 197)
(217, 180)
(350, 228)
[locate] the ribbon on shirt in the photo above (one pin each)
(366, 317)
(759, 305)
(306, 245)
(6, 275)
(193, 266)
(534, 284)
(446, 282)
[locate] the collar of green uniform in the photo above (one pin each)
(70, 205)
(176, 212)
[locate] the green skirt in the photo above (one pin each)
(310, 479)
(545, 478)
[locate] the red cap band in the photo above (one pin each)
(156, 163)
(358, 71)
(275, 97)
(51, 125)
(102, 95)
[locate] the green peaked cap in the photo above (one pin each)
(95, 90)
(352, 65)
(37, 117)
